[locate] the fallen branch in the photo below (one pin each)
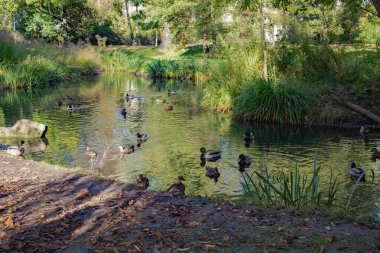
(363, 111)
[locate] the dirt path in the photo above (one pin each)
(44, 210)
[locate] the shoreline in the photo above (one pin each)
(50, 208)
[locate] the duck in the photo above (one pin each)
(129, 96)
(127, 150)
(177, 188)
(168, 107)
(248, 136)
(141, 137)
(210, 155)
(160, 101)
(364, 130)
(375, 154)
(90, 153)
(355, 173)
(124, 113)
(142, 182)
(244, 161)
(16, 151)
(60, 103)
(70, 108)
(172, 92)
(212, 172)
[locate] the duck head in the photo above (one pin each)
(242, 157)
(203, 150)
(180, 179)
(353, 165)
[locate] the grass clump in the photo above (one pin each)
(37, 65)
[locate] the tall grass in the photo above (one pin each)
(35, 65)
(295, 189)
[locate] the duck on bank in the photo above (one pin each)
(177, 188)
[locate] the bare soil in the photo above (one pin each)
(43, 209)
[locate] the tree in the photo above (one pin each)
(129, 20)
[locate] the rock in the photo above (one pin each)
(24, 129)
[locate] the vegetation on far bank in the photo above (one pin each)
(35, 65)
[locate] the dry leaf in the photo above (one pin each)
(210, 246)
(192, 224)
(280, 228)
(288, 239)
(331, 239)
(137, 247)
(9, 224)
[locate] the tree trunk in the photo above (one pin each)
(156, 39)
(376, 3)
(64, 28)
(165, 40)
(136, 42)
(325, 26)
(129, 20)
(263, 44)
(363, 111)
(14, 22)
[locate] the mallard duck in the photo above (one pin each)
(90, 153)
(124, 113)
(160, 101)
(129, 96)
(375, 154)
(60, 103)
(172, 92)
(127, 150)
(168, 107)
(248, 136)
(364, 130)
(244, 161)
(177, 188)
(70, 108)
(15, 151)
(210, 155)
(141, 137)
(142, 182)
(355, 173)
(212, 172)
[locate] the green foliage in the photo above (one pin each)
(42, 65)
(284, 103)
(289, 189)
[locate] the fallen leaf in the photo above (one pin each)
(226, 238)
(210, 246)
(288, 239)
(280, 228)
(328, 228)
(9, 224)
(137, 247)
(331, 239)
(192, 224)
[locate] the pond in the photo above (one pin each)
(175, 137)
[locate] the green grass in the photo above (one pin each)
(38, 65)
(301, 190)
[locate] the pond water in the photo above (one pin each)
(176, 136)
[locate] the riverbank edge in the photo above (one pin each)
(222, 224)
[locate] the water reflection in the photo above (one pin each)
(176, 136)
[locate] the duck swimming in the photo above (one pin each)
(364, 130)
(70, 108)
(90, 153)
(177, 188)
(375, 154)
(142, 182)
(355, 173)
(212, 173)
(124, 113)
(127, 150)
(244, 160)
(129, 96)
(248, 136)
(141, 137)
(209, 155)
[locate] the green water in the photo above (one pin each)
(176, 136)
